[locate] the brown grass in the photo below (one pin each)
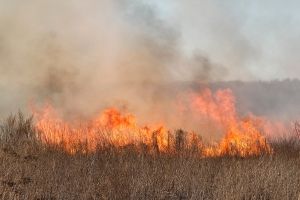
(31, 170)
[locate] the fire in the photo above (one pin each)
(113, 119)
(244, 141)
(110, 127)
(242, 137)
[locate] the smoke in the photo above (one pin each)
(254, 40)
(83, 56)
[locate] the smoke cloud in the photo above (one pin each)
(255, 40)
(83, 56)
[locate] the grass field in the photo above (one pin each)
(30, 169)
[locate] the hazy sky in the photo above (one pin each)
(250, 39)
(254, 39)
(77, 51)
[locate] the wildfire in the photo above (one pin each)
(242, 137)
(109, 128)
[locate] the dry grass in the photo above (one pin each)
(31, 170)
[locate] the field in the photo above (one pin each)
(30, 169)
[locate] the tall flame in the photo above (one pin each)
(242, 137)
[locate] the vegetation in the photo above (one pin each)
(30, 169)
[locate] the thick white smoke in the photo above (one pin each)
(83, 56)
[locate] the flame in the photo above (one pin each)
(110, 127)
(242, 137)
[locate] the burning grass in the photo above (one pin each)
(242, 137)
(113, 156)
(33, 169)
(112, 128)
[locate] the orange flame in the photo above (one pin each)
(111, 127)
(242, 137)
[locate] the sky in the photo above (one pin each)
(252, 40)
(79, 53)
(255, 40)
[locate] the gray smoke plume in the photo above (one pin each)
(83, 56)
